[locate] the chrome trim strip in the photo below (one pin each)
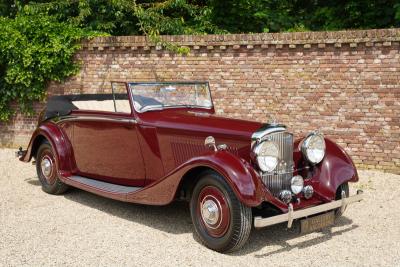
(267, 129)
(292, 215)
(94, 118)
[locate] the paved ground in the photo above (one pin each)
(80, 228)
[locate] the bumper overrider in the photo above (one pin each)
(292, 215)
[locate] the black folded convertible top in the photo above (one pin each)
(62, 105)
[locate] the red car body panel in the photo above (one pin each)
(170, 143)
(58, 140)
(174, 136)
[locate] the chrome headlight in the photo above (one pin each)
(313, 148)
(267, 155)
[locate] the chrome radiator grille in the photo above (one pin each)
(279, 179)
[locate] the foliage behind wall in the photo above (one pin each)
(39, 38)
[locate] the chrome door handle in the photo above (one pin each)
(130, 122)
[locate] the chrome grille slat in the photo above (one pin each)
(280, 179)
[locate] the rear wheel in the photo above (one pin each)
(220, 220)
(342, 188)
(47, 170)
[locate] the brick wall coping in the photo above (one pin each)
(379, 37)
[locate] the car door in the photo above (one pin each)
(105, 142)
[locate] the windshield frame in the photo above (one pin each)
(131, 88)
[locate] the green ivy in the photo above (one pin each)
(34, 49)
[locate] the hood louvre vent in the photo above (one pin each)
(183, 151)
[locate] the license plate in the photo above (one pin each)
(317, 222)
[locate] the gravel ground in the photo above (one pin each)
(80, 228)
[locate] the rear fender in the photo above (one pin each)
(61, 145)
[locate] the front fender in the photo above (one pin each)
(239, 174)
(61, 145)
(336, 169)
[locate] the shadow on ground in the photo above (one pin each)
(33, 181)
(175, 218)
(280, 236)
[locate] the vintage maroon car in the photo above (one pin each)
(156, 142)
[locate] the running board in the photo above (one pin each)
(114, 191)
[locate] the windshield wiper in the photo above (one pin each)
(160, 107)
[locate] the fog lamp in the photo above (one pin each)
(308, 191)
(297, 184)
(285, 196)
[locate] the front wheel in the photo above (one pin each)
(342, 188)
(220, 220)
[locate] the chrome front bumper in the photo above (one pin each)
(292, 215)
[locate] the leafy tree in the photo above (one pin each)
(114, 17)
(238, 16)
(33, 51)
(7, 8)
(127, 17)
(338, 15)
(252, 15)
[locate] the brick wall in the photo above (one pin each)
(347, 84)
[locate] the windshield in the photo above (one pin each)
(156, 96)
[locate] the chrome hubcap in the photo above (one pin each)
(210, 212)
(46, 166)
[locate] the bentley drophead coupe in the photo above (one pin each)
(156, 142)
